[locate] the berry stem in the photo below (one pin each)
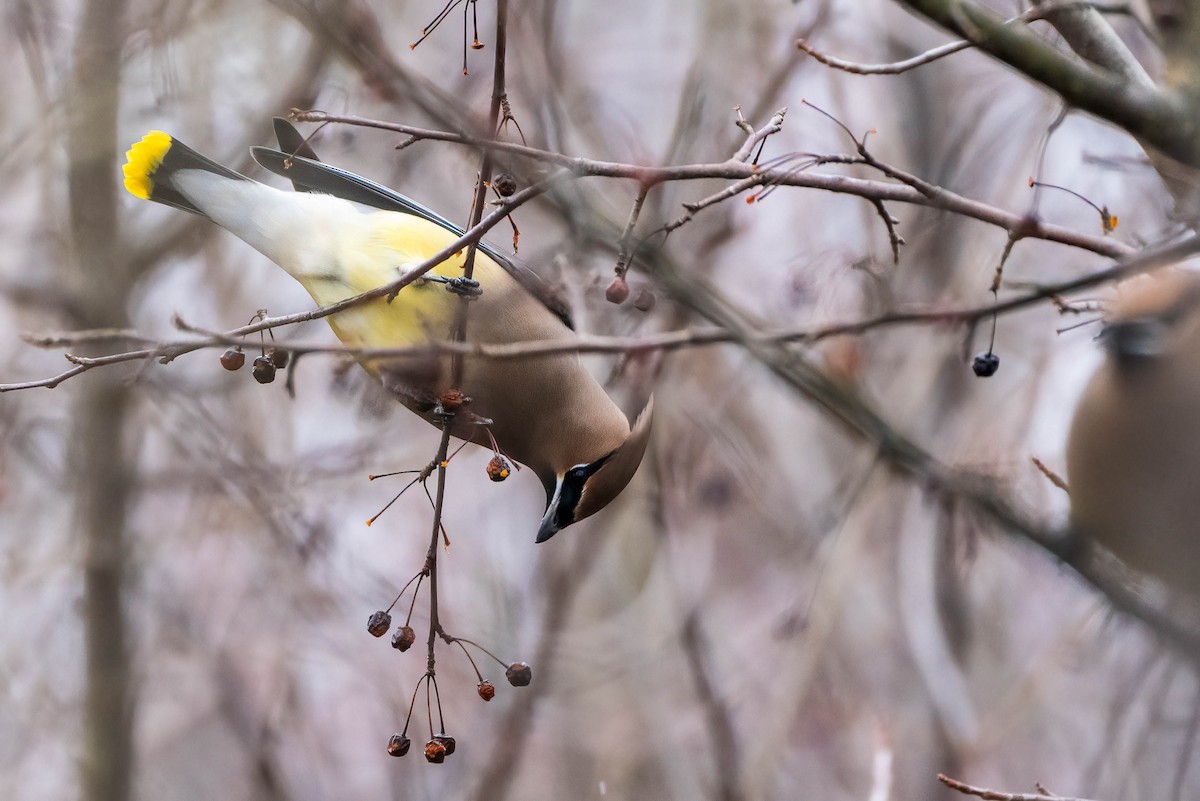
(461, 640)
(401, 593)
(420, 577)
(470, 659)
(412, 704)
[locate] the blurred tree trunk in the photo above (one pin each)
(100, 287)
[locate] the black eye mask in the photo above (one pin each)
(572, 490)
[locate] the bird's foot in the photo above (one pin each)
(467, 288)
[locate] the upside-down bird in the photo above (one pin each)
(342, 235)
(1133, 454)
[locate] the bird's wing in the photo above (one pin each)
(308, 174)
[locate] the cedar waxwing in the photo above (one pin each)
(342, 235)
(1133, 455)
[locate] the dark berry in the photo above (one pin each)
(487, 690)
(452, 400)
(498, 468)
(447, 742)
(233, 359)
(519, 674)
(985, 365)
(403, 638)
(264, 370)
(399, 744)
(279, 358)
(435, 752)
(644, 301)
(505, 184)
(378, 623)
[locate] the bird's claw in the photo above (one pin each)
(464, 287)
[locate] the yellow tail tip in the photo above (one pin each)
(142, 160)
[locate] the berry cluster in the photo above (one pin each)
(440, 745)
(265, 365)
(270, 358)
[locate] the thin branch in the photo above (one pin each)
(912, 189)
(459, 336)
(1042, 11)
(624, 252)
(1087, 32)
(993, 795)
(1146, 261)
(1157, 117)
(774, 126)
(894, 68)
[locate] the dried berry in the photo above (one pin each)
(985, 365)
(505, 184)
(476, 45)
(617, 292)
(435, 752)
(487, 691)
(519, 674)
(264, 370)
(399, 744)
(403, 638)
(447, 742)
(233, 359)
(644, 301)
(452, 399)
(378, 623)
(279, 358)
(498, 468)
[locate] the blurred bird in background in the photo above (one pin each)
(341, 235)
(1133, 454)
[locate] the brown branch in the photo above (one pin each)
(1084, 28)
(894, 68)
(459, 335)
(624, 252)
(1157, 117)
(916, 192)
(1046, 11)
(774, 126)
(666, 341)
(993, 795)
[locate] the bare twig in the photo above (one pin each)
(1159, 118)
(757, 137)
(459, 335)
(1045, 11)
(671, 340)
(911, 190)
(894, 68)
(993, 795)
(624, 252)
(1053, 477)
